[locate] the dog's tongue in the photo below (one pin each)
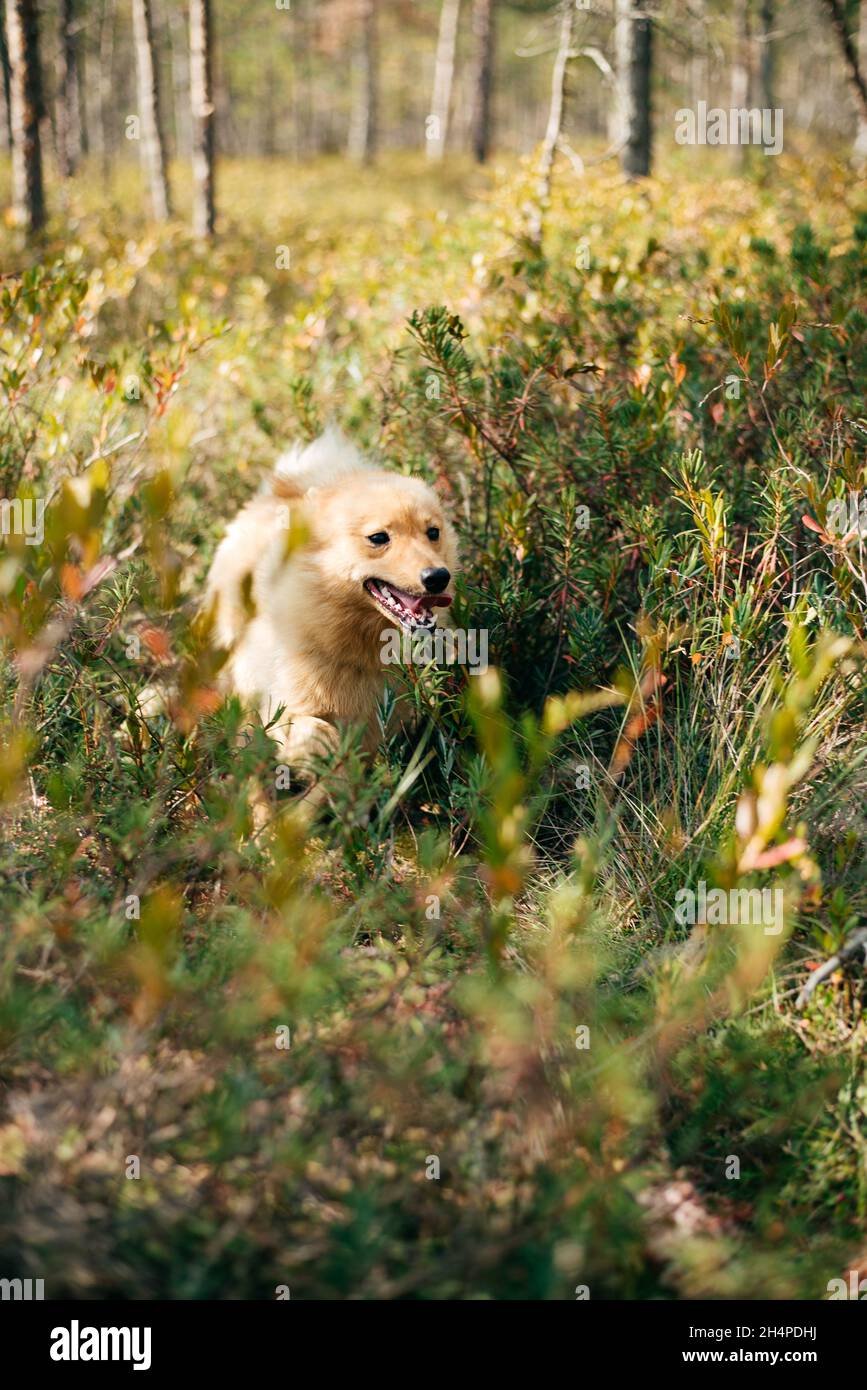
(417, 603)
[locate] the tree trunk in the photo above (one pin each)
(483, 29)
(303, 30)
(295, 99)
(555, 123)
(618, 122)
(202, 100)
(443, 76)
(67, 113)
(150, 111)
(265, 133)
(638, 66)
(698, 60)
(22, 37)
(766, 95)
(558, 87)
(81, 95)
(741, 73)
(363, 132)
(96, 88)
(861, 133)
(837, 15)
(6, 127)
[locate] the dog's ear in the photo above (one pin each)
(286, 487)
(305, 467)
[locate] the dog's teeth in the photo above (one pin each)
(406, 616)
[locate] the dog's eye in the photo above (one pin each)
(433, 533)
(379, 538)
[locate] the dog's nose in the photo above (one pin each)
(435, 580)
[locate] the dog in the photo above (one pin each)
(334, 553)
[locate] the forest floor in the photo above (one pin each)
(458, 1040)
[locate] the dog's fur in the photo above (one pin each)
(302, 630)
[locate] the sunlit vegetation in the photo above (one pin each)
(473, 955)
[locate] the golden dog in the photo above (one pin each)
(311, 574)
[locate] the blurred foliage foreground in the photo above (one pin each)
(451, 1040)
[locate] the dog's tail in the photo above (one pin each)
(328, 460)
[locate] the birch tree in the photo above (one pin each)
(202, 102)
(444, 71)
(363, 124)
(25, 97)
(555, 121)
(634, 46)
(150, 110)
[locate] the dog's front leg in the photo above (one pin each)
(309, 738)
(304, 739)
(301, 740)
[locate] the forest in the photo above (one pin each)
(561, 994)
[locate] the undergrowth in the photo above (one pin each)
(453, 1040)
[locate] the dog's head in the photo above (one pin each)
(382, 545)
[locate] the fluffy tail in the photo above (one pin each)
(328, 460)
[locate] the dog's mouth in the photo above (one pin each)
(410, 610)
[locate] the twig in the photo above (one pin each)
(854, 944)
